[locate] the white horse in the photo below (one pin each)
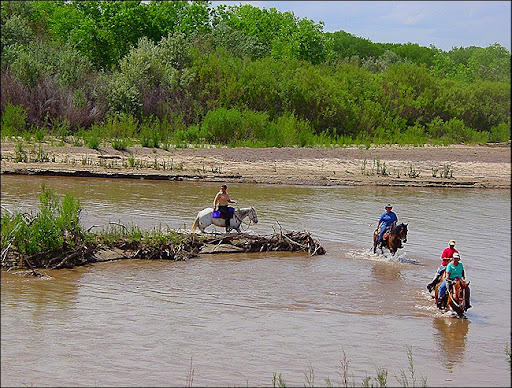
(204, 219)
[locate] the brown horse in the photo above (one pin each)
(392, 239)
(455, 297)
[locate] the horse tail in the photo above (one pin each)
(194, 225)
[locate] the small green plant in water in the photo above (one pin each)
(277, 381)
(403, 380)
(309, 377)
(51, 230)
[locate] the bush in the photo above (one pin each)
(149, 137)
(13, 120)
(51, 230)
(222, 125)
(193, 134)
(500, 133)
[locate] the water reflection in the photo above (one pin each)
(451, 338)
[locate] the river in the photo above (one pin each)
(241, 319)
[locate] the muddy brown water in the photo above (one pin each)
(236, 319)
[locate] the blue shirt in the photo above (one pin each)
(388, 218)
(454, 271)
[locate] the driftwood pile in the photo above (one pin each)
(291, 241)
(190, 245)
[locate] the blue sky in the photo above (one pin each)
(445, 24)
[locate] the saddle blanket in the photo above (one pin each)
(217, 214)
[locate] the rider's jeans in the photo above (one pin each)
(441, 269)
(382, 231)
(442, 289)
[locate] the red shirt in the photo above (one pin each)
(447, 255)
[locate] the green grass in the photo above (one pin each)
(55, 227)
(346, 380)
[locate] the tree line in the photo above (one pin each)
(187, 72)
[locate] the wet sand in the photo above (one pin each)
(428, 166)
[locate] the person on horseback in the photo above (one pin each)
(454, 270)
(221, 202)
(386, 220)
(446, 257)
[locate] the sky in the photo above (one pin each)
(444, 24)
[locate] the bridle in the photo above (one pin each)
(454, 294)
(402, 233)
(250, 216)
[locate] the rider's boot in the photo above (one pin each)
(433, 283)
(440, 302)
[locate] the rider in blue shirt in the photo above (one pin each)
(386, 219)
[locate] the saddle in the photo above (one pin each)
(386, 234)
(218, 214)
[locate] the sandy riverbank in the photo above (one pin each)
(453, 166)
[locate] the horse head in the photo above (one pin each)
(458, 295)
(253, 216)
(402, 229)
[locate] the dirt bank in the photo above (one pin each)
(453, 166)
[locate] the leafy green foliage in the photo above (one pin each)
(50, 230)
(13, 120)
(186, 72)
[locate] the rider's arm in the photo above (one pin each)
(380, 221)
(215, 201)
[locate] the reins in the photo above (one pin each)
(453, 294)
(241, 221)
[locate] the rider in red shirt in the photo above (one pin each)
(446, 257)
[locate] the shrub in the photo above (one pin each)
(119, 125)
(120, 144)
(16, 30)
(13, 120)
(49, 231)
(500, 133)
(289, 130)
(149, 137)
(223, 125)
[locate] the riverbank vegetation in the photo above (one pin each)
(171, 74)
(54, 238)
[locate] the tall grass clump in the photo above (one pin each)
(347, 379)
(13, 120)
(54, 228)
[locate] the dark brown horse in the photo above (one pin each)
(455, 297)
(392, 239)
